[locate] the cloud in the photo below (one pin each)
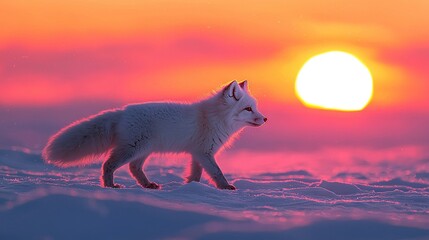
(351, 32)
(155, 53)
(87, 71)
(413, 57)
(303, 129)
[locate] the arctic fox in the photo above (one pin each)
(132, 133)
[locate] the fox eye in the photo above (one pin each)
(249, 109)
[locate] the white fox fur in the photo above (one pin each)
(132, 133)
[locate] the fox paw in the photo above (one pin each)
(152, 185)
(188, 180)
(228, 187)
(115, 185)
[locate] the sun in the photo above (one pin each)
(336, 81)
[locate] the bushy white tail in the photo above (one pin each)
(82, 141)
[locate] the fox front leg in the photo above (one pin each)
(209, 164)
(195, 172)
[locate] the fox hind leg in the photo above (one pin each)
(117, 158)
(136, 170)
(195, 172)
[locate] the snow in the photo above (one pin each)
(40, 201)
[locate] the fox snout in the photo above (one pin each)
(264, 119)
(258, 121)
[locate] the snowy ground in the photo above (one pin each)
(39, 201)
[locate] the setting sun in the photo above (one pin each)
(336, 81)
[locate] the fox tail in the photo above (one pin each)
(83, 141)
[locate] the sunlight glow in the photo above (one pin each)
(336, 81)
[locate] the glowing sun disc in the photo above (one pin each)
(334, 80)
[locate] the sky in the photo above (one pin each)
(64, 60)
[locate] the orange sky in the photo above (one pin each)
(58, 51)
(54, 54)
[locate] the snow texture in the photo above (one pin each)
(39, 201)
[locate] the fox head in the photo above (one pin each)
(242, 105)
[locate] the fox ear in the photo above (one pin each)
(233, 90)
(243, 85)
